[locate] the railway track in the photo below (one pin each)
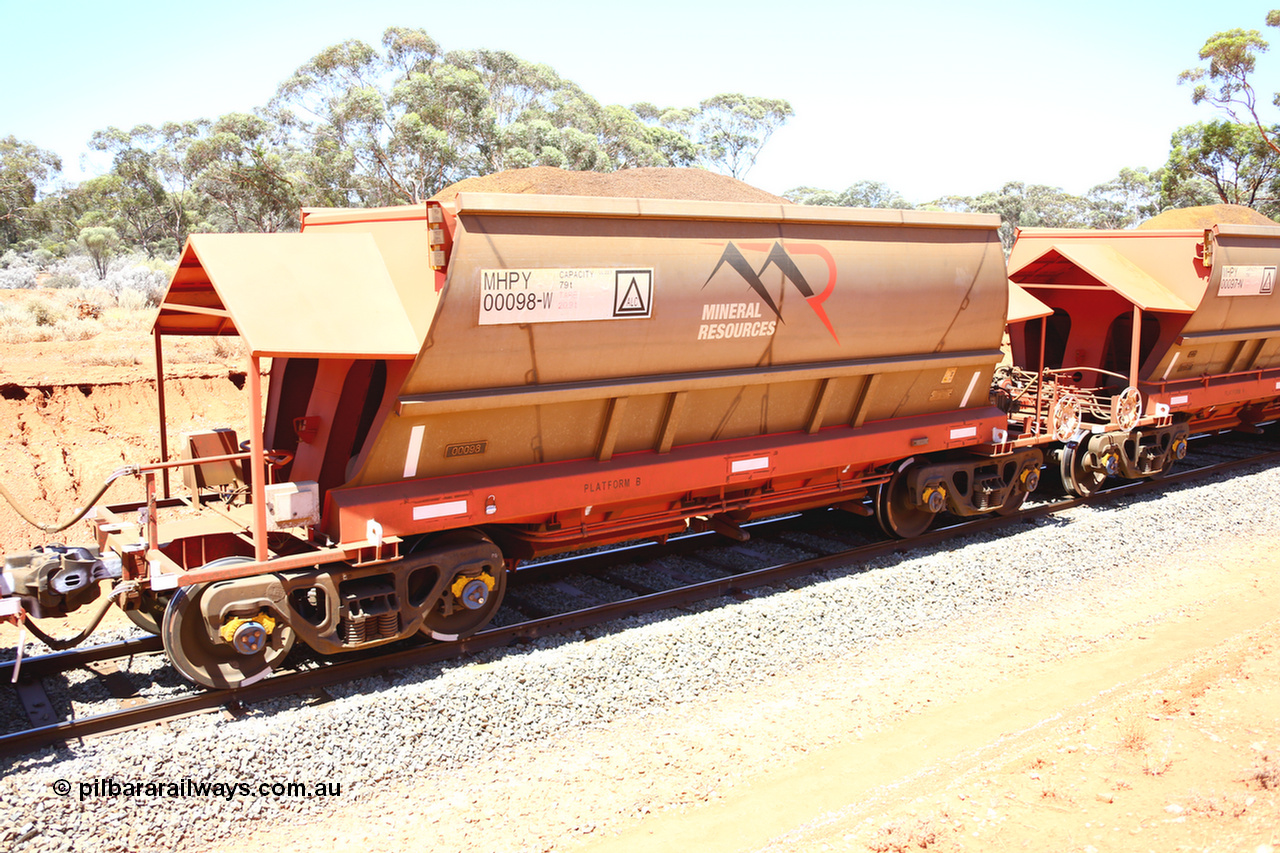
(681, 572)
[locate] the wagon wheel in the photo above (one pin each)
(1176, 453)
(1065, 418)
(217, 665)
(897, 514)
(1028, 482)
(1013, 504)
(1126, 408)
(468, 603)
(149, 613)
(1075, 477)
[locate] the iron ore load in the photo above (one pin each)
(452, 388)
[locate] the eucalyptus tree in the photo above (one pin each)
(25, 171)
(245, 174)
(1235, 159)
(147, 193)
(397, 124)
(406, 121)
(733, 128)
(861, 194)
(1225, 82)
(1022, 205)
(101, 243)
(1125, 200)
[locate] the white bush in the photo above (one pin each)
(140, 275)
(18, 276)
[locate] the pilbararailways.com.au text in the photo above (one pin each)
(110, 787)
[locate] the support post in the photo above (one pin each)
(1134, 346)
(164, 436)
(153, 526)
(1041, 422)
(257, 461)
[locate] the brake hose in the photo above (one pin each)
(58, 528)
(58, 645)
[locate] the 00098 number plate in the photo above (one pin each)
(564, 295)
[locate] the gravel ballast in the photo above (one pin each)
(437, 720)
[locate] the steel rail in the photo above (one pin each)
(285, 683)
(40, 666)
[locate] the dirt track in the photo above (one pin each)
(1150, 726)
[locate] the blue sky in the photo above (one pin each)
(932, 98)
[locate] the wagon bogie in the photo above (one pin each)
(964, 485)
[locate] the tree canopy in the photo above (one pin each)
(393, 123)
(1225, 83)
(362, 125)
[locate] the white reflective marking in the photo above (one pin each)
(10, 606)
(750, 465)
(1180, 400)
(160, 580)
(256, 677)
(965, 432)
(1175, 361)
(969, 390)
(421, 513)
(415, 449)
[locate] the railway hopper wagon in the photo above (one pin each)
(1144, 336)
(453, 388)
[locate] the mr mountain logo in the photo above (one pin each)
(776, 256)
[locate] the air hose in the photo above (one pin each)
(58, 528)
(59, 645)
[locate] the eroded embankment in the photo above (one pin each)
(58, 443)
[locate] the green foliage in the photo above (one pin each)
(861, 194)
(357, 125)
(1024, 206)
(1225, 83)
(100, 243)
(1234, 159)
(24, 172)
(44, 312)
(398, 125)
(1126, 200)
(62, 281)
(732, 128)
(245, 178)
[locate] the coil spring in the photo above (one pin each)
(354, 630)
(388, 624)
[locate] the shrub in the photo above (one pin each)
(122, 319)
(133, 300)
(77, 329)
(60, 280)
(44, 312)
(137, 273)
(17, 276)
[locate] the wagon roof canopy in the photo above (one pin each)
(1023, 306)
(326, 294)
(1059, 262)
